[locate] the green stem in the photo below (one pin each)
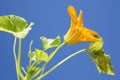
(35, 64)
(19, 59)
(50, 57)
(41, 69)
(60, 63)
(53, 53)
(14, 50)
(15, 57)
(30, 51)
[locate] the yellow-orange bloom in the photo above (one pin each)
(77, 32)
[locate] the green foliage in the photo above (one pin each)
(102, 61)
(32, 56)
(38, 55)
(41, 55)
(15, 25)
(12, 23)
(39, 59)
(49, 43)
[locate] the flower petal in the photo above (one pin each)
(72, 13)
(77, 32)
(80, 21)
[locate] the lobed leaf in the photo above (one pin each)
(12, 23)
(49, 43)
(102, 61)
(15, 25)
(41, 55)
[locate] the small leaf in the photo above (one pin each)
(23, 69)
(32, 56)
(95, 46)
(102, 61)
(49, 43)
(41, 55)
(15, 25)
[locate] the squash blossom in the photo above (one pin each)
(77, 32)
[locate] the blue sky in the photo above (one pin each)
(51, 19)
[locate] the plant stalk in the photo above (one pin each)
(50, 57)
(15, 57)
(60, 63)
(19, 59)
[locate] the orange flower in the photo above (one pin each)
(77, 32)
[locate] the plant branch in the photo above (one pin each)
(15, 57)
(60, 63)
(50, 57)
(19, 59)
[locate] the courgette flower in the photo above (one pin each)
(77, 32)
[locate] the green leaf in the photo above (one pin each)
(38, 55)
(102, 61)
(32, 56)
(12, 23)
(15, 25)
(23, 69)
(49, 43)
(23, 33)
(95, 46)
(41, 55)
